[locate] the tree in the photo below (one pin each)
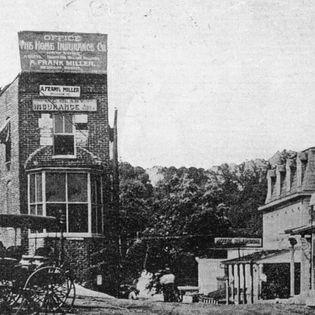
(243, 189)
(183, 213)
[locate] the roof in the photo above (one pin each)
(5, 87)
(287, 198)
(301, 230)
(251, 258)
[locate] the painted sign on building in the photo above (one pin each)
(64, 105)
(59, 90)
(235, 241)
(63, 52)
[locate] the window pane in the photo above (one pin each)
(32, 188)
(39, 209)
(96, 189)
(58, 124)
(81, 126)
(55, 187)
(94, 219)
(39, 187)
(99, 219)
(33, 209)
(68, 123)
(93, 190)
(40, 212)
(8, 151)
(56, 210)
(78, 217)
(77, 187)
(63, 145)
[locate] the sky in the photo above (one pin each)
(196, 83)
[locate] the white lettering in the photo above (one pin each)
(44, 46)
(63, 38)
(26, 45)
(101, 47)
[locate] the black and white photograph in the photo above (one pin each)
(157, 157)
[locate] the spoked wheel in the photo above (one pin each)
(48, 289)
(9, 293)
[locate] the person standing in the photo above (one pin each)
(167, 282)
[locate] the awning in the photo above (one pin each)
(5, 131)
(29, 221)
(301, 230)
(264, 256)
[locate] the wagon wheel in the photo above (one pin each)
(9, 293)
(48, 289)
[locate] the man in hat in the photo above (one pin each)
(167, 282)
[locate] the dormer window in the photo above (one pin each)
(64, 144)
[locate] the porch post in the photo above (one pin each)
(260, 271)
(244, 284)
(251, 288)
(292, 284)
(255, 283)
(227, 284)
(238, 284)
(232, 282)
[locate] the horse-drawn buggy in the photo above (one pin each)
(39, 283)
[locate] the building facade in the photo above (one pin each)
(285, 265)
(55, 158)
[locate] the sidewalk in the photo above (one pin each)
(84, 292)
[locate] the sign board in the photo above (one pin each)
(59, 90)
(63, 52)
(99, 280)
(241, 241)
(64, 105)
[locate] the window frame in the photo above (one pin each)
(8, 151)
(88, 202)
(72, 123)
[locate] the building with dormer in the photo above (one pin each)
(284, 267)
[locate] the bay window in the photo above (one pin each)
(76, 195)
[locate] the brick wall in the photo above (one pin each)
(92, 86)
(16, 102)
(9, 183)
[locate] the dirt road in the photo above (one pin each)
(95, 306)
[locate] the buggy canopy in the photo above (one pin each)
(28, 221)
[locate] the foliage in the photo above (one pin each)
(243, 190)
(182, 214)
(278, 280)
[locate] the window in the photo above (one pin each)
(5, 138)
(77, 195)
(64, 134)
(8, 151)
(8, 197)
(36, 198)
(97, 204)
(35, 195)
(67, 193)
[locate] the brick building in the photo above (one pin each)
(56, 151)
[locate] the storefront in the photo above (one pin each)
(56, 145)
